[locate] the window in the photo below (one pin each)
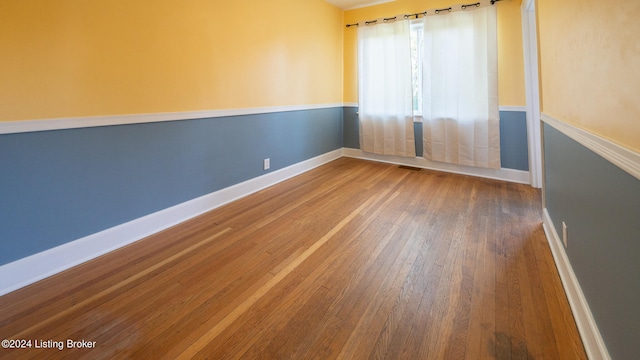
(461, 123)
(441, 71)
(385, 93)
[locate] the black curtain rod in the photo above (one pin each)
(417, 15)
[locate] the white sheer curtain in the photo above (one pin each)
(460, 88)
(384, 88)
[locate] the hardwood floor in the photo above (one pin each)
(351, 260)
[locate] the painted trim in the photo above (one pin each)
(626, 159)
(36, 267)
(532, 91)
(592, 340)
(517, 176)
(12, 127)
(500, 108)
(512, 108)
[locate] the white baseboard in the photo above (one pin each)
(39, 266)
(36, 267)
(592, 340)
(510, 175)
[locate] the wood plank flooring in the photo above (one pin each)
(352, 260)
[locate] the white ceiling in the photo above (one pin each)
(354, 4)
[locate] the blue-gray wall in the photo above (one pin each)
(514, 153)
(600, 203)
(59, 186)
(351, 133)
(514, 148)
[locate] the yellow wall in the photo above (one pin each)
(510, 57)
(590, 66)
(66, 58)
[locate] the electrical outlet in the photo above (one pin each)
(267, 164)
(564, 234)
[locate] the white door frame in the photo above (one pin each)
(530, 48)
